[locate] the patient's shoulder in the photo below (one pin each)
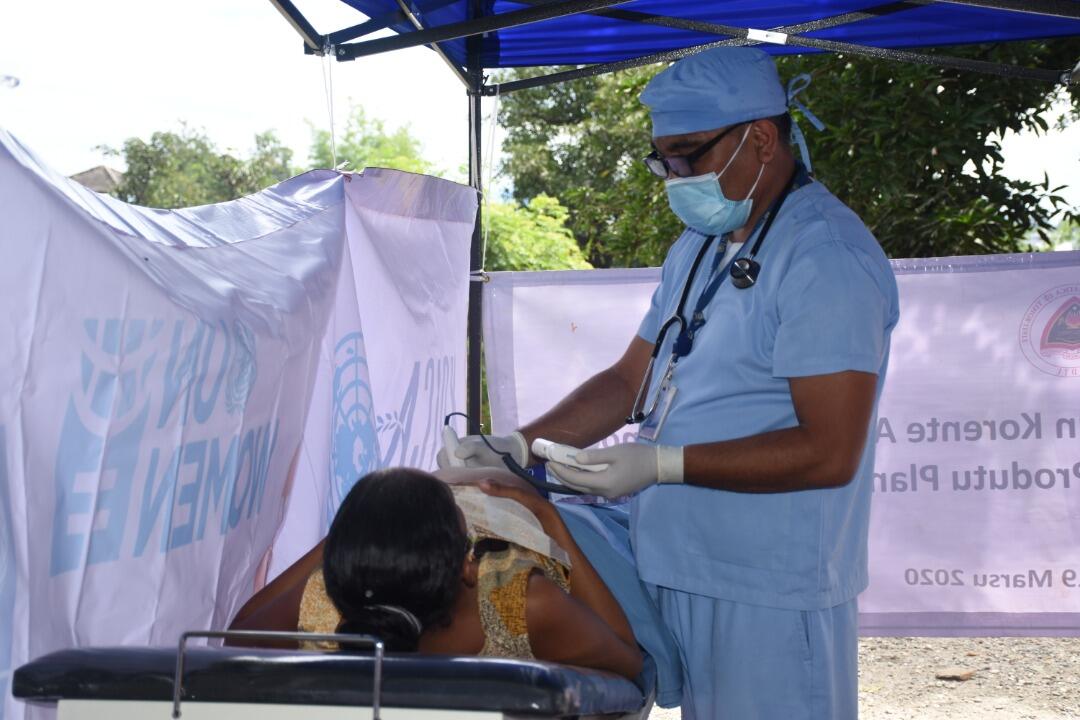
(551, 614)
(543, 596)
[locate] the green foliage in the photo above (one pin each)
(185, 168)
(914, 150)
(526, 236)
(366, 143)
(917, 153)
(582, 142)
(1065, 236)
(182, 169)
(533, 236)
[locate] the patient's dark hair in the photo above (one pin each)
(397, 539)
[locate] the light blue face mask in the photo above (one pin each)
(699, 201)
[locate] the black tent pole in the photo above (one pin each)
(475, 74)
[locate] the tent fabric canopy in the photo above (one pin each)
(634, 29)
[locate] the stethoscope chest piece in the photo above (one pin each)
(744, 272)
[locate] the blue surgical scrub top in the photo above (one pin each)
(825, 302)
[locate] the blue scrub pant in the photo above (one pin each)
(745, 662)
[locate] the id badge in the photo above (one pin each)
(650, 428)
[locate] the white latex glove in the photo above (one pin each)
(632, 467)
(476, 453)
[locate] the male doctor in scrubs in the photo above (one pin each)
(753, 468)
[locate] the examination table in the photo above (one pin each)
(126, 683)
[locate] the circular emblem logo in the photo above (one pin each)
(354, 446)
(1050, 331)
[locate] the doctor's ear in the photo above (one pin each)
(765, 139)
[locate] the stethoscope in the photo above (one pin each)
(744, 273)
(544, 488)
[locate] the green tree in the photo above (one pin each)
(366, 143)
(917, 154)
(1065, 236)
(526, 235)
(582, 142)
(185, 168)
(915, 150)
(532, 236)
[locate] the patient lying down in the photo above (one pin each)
(403, 561)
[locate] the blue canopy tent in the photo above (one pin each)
(602, 36)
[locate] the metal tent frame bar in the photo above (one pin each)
(472, 75)
(312, 39)
(401, 15)
(474, 323)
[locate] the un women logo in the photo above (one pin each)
(1050, 331)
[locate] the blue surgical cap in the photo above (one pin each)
(716, 88)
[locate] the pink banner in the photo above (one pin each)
(976, 518)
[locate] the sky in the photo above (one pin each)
(94, 73)
(97, 73)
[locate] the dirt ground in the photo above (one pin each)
(1014, 679)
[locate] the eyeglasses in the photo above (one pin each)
(680, 165)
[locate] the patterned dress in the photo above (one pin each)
(503, 585)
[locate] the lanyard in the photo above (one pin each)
(684, 343)
(678, 317)
(636, 413)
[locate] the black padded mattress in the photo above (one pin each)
(311, 678)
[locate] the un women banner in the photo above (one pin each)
(977, 484)
(155, 375)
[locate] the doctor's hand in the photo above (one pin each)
(632, 467)
(475, 452)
